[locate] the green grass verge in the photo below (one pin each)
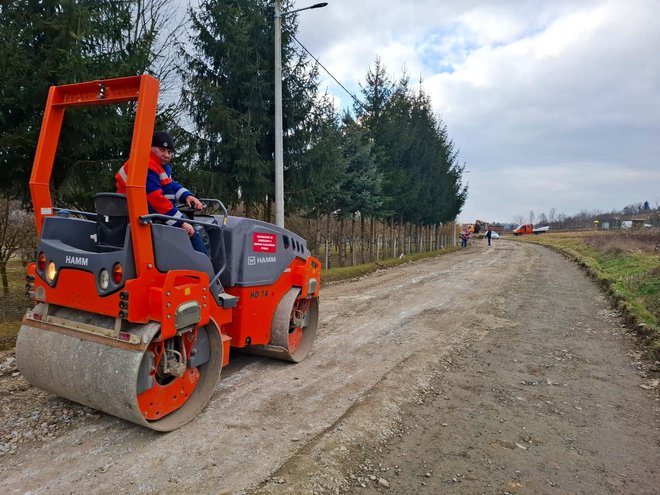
(626, 264)
(351, 272)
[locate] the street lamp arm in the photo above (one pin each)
(315, 6)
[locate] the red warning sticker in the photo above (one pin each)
(264, 243)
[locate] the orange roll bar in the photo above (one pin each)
(144, 90)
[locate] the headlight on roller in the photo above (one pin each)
(104, 279)
(51, 272)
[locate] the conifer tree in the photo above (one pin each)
(229, 93)
(52, 42)
(411, 149)
(320, 181)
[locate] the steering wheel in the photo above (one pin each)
(189, 211)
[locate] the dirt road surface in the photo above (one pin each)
(488, 371)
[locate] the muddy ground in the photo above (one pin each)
(488, 371)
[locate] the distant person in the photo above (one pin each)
(489, 235)
(162, 190)
(465, 236)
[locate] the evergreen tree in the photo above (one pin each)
(363, 184)
(229, 92)
(417, 160)
(52, 42)
(441, 190)
(397, 140)
(376, 94)
(319, 183)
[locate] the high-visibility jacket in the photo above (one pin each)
(162, 190)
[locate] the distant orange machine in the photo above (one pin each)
(528, 228)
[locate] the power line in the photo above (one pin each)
(358, 102)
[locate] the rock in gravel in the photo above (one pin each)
(384, 482)
(7, 363)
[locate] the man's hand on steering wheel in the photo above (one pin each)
(195, 203)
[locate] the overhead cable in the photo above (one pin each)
(357, 102)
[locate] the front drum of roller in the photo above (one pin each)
(112, 379)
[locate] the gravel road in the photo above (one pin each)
(488, 371)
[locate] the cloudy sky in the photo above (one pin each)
(552, 104)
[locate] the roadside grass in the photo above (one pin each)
(352, 272)
(626, 264)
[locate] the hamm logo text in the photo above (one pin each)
(76, 260)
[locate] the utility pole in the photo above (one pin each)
(279, 144)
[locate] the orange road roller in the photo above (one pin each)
(129, 319)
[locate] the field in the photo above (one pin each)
(627, 264)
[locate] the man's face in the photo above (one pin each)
(163, 154)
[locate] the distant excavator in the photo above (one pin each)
(476, 227)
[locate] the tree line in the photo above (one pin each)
(385, 163)
(585, 219)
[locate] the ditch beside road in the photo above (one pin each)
(490, 370)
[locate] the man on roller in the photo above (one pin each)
(162, 190)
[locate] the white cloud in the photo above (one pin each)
(552, 104)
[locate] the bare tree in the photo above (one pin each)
(561, 218)
(531, 216)
(16, 232)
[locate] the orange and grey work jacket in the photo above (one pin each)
(162, 191)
